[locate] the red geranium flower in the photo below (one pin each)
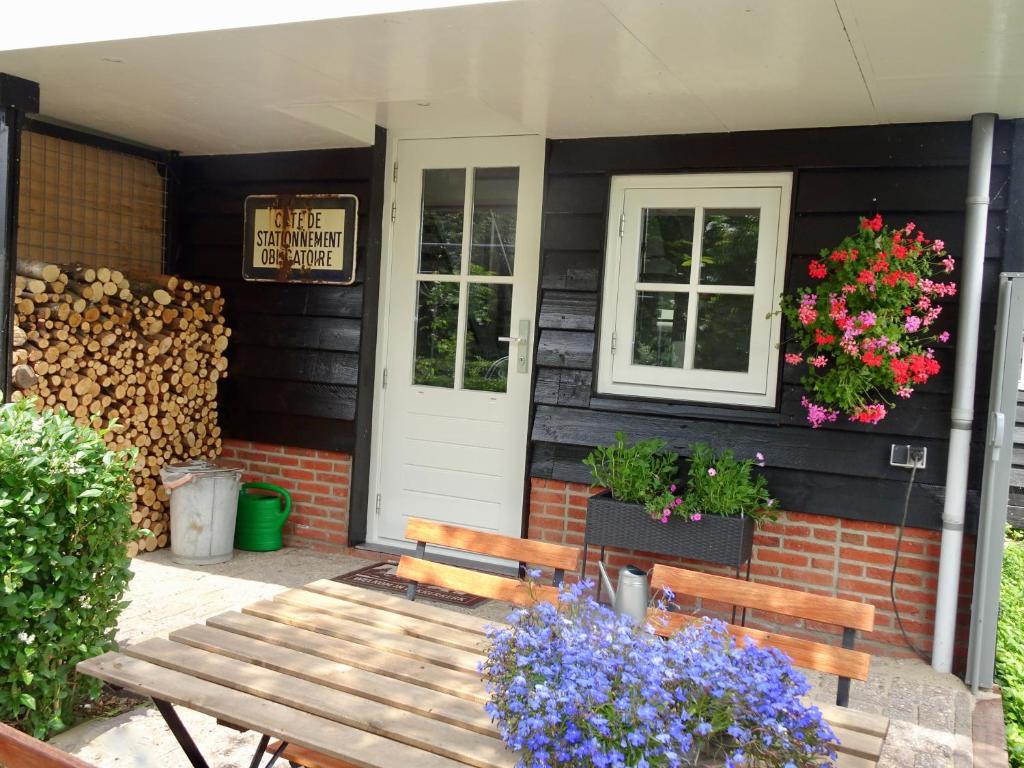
(817, 270)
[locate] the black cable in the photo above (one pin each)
(896, 563)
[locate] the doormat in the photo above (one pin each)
(382, 576)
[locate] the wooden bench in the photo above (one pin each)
(19, 750)
(524, 551)
(861, 735)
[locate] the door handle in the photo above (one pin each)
(522, 353)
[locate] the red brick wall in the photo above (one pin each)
(319, 484)
(825, 555)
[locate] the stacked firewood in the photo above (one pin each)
(139, 355)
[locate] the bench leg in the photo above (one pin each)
(188, 746)
(843, 689)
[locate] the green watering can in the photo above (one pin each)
(261, 516)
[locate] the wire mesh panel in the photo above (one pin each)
(81, 204)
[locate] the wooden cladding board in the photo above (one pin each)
(909, 172)
(295, 357)
(80, 204)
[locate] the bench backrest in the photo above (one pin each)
(843, 661)
(420, 571)
(19, 750)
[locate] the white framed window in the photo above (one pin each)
(694, 265)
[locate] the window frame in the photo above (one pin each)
(630, 195)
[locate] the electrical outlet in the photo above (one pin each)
(908, 456)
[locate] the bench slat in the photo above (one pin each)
(474, 582)
(385, 619)
(258, 714)
(19, 750)
(373, 637)
(412, 728)
(464, 684)
(481, 542)
(764, 597)
(804, 653)
(345, 677)
(442, 617)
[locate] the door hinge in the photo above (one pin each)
(394, 210)
(384, 379)
(377, 510)
(394, 173)
(622, 224)
(614, 341)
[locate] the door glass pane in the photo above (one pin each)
(723, 332)
(666, 250)
(444, 197)
(659, 337)
(495, 192)
(728, 253)
(489, 316)
(437, 322)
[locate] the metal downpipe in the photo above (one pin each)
(962, 414)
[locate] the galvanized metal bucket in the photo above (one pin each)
(204, 501)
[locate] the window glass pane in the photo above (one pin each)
(437, 320)
(444, 196)
(666, 251)
(489, 316)
(723, 332)
(659, 336)
(728, 252)
(495, 192)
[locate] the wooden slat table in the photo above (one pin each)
(359, 676)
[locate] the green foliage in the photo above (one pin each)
(720, 484)
(633, 473)
(64, 523)
(1010, 648)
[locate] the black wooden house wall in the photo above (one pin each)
(294, 357)
(916, 172)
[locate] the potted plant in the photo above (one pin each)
(865, 327)
(578, 685)
(712, 519)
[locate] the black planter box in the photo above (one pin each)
(713, 539)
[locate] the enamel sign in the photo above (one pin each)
(300, 238)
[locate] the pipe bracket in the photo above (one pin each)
(978, 200)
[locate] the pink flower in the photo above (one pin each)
(672, 488)
(938, 245)
(911, 226)
(818, 362)
(794, 358)
(760, 458)
(905, 392)
(849, 288)
(712, 471)
(944, 337)
(676, 502)
(948, 263)
(816, 414)
(912, 323)
(869, 414)
(695, 517)
(807, 315)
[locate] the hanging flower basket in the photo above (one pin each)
(866, 326)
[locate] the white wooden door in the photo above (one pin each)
(456, 343)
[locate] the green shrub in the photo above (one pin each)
(64, 523)
(1010, 649)
(633, 473)
(721, 484)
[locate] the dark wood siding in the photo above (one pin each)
(905, 172)
(294, 353)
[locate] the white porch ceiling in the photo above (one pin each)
(561, 68)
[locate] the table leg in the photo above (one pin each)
(188, 746)
(277, 753)
(258, 755)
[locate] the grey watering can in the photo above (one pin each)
(633, 592)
